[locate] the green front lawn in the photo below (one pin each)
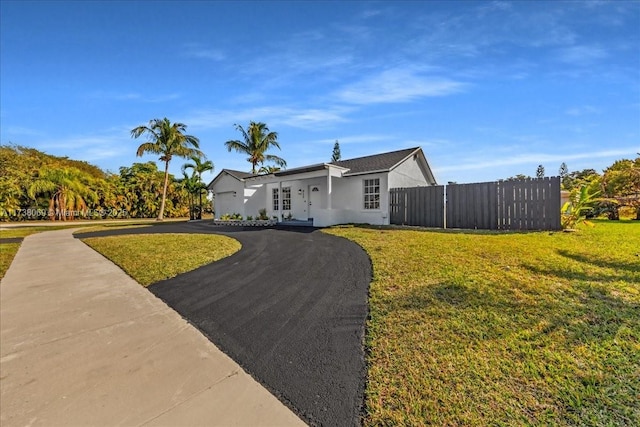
(149, 258)
(503, 328)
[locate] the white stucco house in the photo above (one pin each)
(346, 191)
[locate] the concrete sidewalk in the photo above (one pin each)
(81, 343)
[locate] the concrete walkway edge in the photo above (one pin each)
(81, 343)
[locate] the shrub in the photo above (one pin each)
(575, 210)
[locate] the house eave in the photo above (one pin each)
(366, 172)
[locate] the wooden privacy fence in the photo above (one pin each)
(532, 204)
(422, 206)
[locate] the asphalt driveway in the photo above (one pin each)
(290, 307)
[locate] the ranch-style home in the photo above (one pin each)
(324, 194)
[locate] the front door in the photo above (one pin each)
(314, 192)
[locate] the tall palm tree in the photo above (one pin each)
(257, 139)
(66, 188)
(191, 184)
(168, 140)
(198, 165)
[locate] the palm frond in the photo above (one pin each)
(238, 146)
(148, 147)
(275, 159)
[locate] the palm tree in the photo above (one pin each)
(67, 190)
(257, 140)
(168, 140)
(199, 167)
(268, 169)
(191, 184)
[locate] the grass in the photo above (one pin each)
(149, 258)
(503, 328)
(7, 252)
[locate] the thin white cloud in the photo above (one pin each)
(134, 96)
(370, 13)
(304, 118)
(427, 143)
(581, 54)
(355, 139)
(533, 158)
(23, 131)
(108, 143)
(583, 110)
(199, 51)
(397, 85)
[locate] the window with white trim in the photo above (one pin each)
(286, 198)
(276, 203)
(372, 193)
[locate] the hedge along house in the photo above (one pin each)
(346, 191)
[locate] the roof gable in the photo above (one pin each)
(239, 175)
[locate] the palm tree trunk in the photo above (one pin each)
(164, 190)
(200, 210)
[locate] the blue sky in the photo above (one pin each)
(487, 89)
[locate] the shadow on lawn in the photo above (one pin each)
(625, 274)
(631, 267)
(586, 313)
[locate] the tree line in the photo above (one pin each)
(617, 187)
(35, 185)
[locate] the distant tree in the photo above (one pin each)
(168, 140)
(578, 178)
(336, 152)
(192, 185)
(564, 170)
(257, 139)
(67, 190)
(540, 172)
(198, 165)
(518, 177)
(141, 188)
(621, 184)
(142, 185)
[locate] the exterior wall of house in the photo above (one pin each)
(255, 195)
(299, 197)
(348, 202)
(228, 196)
(408, 174)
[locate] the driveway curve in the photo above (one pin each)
(290, 307)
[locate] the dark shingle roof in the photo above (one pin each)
(238, 174)
(377, 162)
(303, 169)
